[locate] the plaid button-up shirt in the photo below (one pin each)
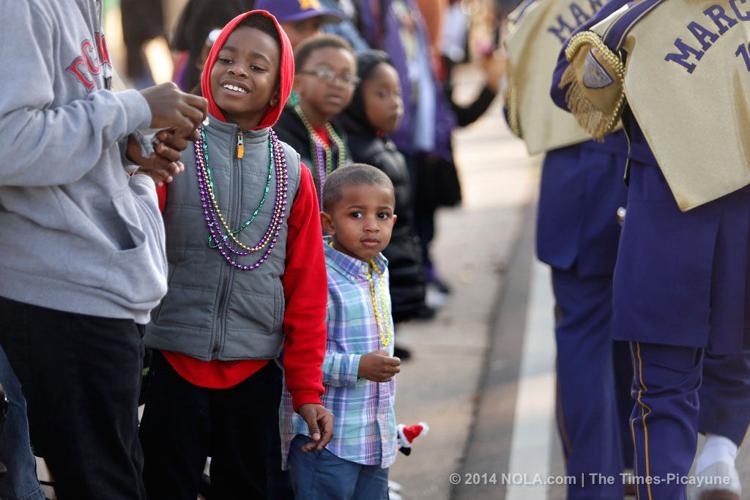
(364, 421)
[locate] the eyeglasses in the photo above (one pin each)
(328, 76)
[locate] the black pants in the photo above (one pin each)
(81, 377)
(238, 427)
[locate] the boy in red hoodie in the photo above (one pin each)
(246, 278)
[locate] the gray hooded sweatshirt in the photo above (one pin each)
(77, 233)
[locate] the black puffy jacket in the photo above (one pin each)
(292, 130)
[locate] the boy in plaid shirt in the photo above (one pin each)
(358, 371)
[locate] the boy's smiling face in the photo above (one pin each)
(362, 220)
(244, 79)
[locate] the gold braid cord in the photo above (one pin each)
(511, 101)
(595, 81)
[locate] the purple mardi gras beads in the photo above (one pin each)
(211, 211)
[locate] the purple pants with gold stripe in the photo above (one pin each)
(588, 414)
(671, 407)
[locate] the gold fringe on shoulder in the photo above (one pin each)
(595, 81)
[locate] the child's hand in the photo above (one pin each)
(378, 366)
(495, 67)
(319, 423)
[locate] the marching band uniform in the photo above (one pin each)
(724, 401)
(682, 279)
(577, 233)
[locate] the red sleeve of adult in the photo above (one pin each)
(306, 292)
(161, 192)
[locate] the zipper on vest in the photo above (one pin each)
(240, 145)
(219, 311)
(225, 282)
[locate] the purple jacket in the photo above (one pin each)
(380, 26)
(701, 253)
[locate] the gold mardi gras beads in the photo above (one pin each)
(315, 138)
(382, 314)
(385, 330)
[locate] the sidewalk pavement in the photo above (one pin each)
(439, 385)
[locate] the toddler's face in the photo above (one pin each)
(244, 77)
(327, 96)
(382, 97)
(361, 222)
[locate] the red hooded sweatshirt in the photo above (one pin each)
(304, 281)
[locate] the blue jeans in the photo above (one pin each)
(321, 475)
(20, 481)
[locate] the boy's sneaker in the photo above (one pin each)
(718, 481)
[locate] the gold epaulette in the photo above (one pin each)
(595, 81)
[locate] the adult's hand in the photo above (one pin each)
(164, 164)
(173, 109)
(320, 425)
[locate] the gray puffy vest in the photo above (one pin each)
(212, 310)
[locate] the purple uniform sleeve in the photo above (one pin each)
(558, 94)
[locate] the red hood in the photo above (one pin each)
(286, 69)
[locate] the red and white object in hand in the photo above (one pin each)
(408, 433)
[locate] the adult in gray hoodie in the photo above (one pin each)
(81, 241)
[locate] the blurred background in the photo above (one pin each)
(140, 33)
